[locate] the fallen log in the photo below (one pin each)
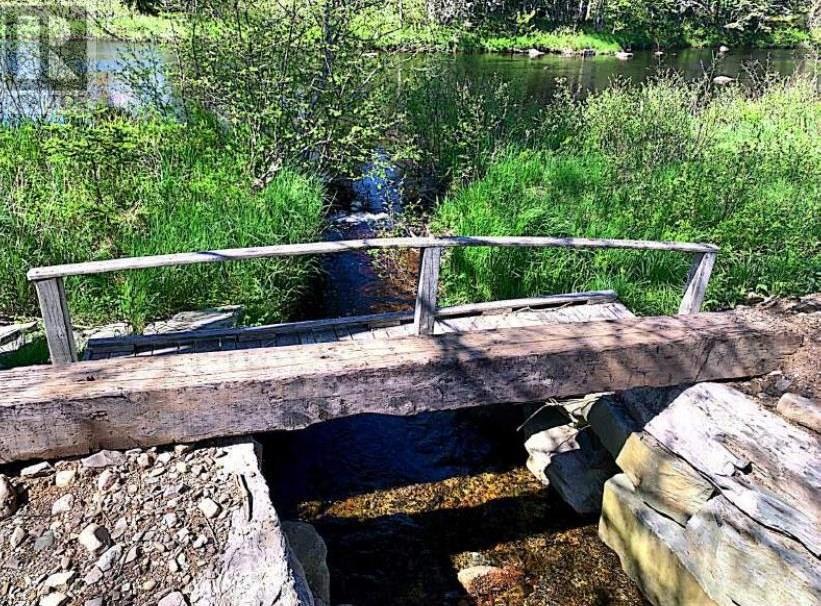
(121, 403)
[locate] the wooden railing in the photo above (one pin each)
(57, 319)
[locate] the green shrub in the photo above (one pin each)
(111, 186)
(648, 163)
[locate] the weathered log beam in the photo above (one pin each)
(57, 411)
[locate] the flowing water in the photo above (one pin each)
(403, 503)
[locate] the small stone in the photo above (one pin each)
(93, 577)
(60, 580)
(62, 505)
(170, 519)
(37, 470)
(94, 602)
(209, 508)
(65, 478)
(156, 472)
(132, 554)
(120, 526)
(109, 558)
(173, 599)
(181, 467)
(182, 448)
(173, 567)
(200, 541)
(65, 562)
(8, 498)
(17, 537)
(104, 458)
(164, 458)
(54, 599)
(94, 538)
(149, 585)
(145, 460)
(106, 480)
(196, 469)
(46, 541)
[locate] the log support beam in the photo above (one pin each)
(56, 411)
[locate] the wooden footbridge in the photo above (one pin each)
(130, 392)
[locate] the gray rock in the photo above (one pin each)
(110, 558)
(60, 580)
(312, 553)
(106, 480)
(46, 541)
(17, 537)
(38, 470)
(173, 599)
(62, 505)
(8, 498)
(94, 602)
(54, 599)
(94, 538)
(145, 460)
(94, 576)
(104, 458)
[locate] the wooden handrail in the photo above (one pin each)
(320, 248)
(60, 336)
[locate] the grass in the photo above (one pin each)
(554, 41)
(654, 162)
(116, 186)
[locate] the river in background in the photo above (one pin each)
(403, 503)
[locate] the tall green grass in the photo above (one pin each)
(667, 161)
(109, 186)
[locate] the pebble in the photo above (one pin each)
(54, 599)
(94, 538)
(156, 472)
(63, 504)
(94, 602)
(8, 498)
(109, 558)
(17, 537)
(145, 460)
(149, 585)
(94, 575)
(104, 458)
(164, 458)
(181, 448)
(173, 599)
(65, 478)
(170, 519)
(173, 567)
(132, 554)
(209, 508)
(200, 541)
(181, 467)
(46, 541)
(37, 470)
(120, 526)
(60, 579)
(106, 480)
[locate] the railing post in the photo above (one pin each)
(54, 309)
(426, 296)
(697, 281)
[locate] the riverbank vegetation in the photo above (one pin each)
(602, 26)
(661, 161)
(105, 186)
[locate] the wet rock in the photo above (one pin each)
(534, 52)
(8, 498)
(209, 508)
(173, 599)
(65, 478)
(38, 470)
(104, 458)
(94, 538)
(467, 577)
(62, 505)
(312, 553)
(805, 411)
